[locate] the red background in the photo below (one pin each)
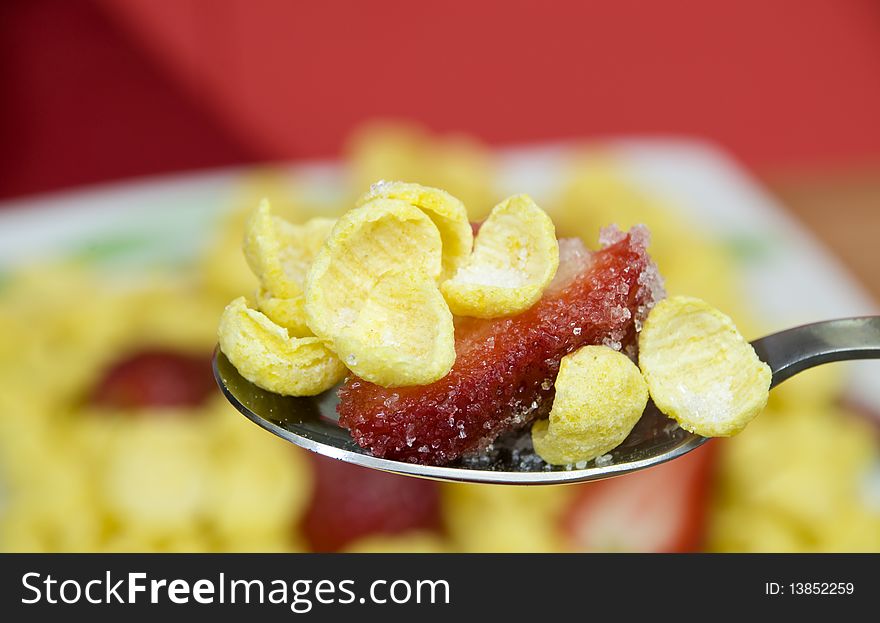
(102, 90)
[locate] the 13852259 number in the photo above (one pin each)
(822, 588)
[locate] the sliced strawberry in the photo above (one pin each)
(661, 509)
(351, 502)
(155, 378)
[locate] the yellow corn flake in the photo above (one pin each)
(279, 252)
(770, 473)
(372, 295)
(266, 355)
(515, 257)
(157, 474)
(403, 334)
(447, 212)
(288, 313)
(744, 529)
(700, 370)
(367, 242)
(504, 518)
(189, 540)
(248, 502)
(600, 395)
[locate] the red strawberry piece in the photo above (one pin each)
(660, 509)
(351, 502)
(505, 367)
(155, 378)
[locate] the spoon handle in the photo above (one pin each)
(794, 350)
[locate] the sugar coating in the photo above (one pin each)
(604, 460)
(491, 276)
(503, 374)
(700, 370)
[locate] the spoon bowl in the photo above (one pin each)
(312, 423)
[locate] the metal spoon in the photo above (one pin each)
(311, 423)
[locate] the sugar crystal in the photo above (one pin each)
(604, 460)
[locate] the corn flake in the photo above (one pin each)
(514, 259)
(265, 354)
(403, 335)
(600, 395)
(447, 212)
(372, 295)
(504, 518)
(157, 474)
(700, 370)
(279, 252)
(289, 313)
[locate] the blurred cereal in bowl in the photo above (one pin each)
(114, 438)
